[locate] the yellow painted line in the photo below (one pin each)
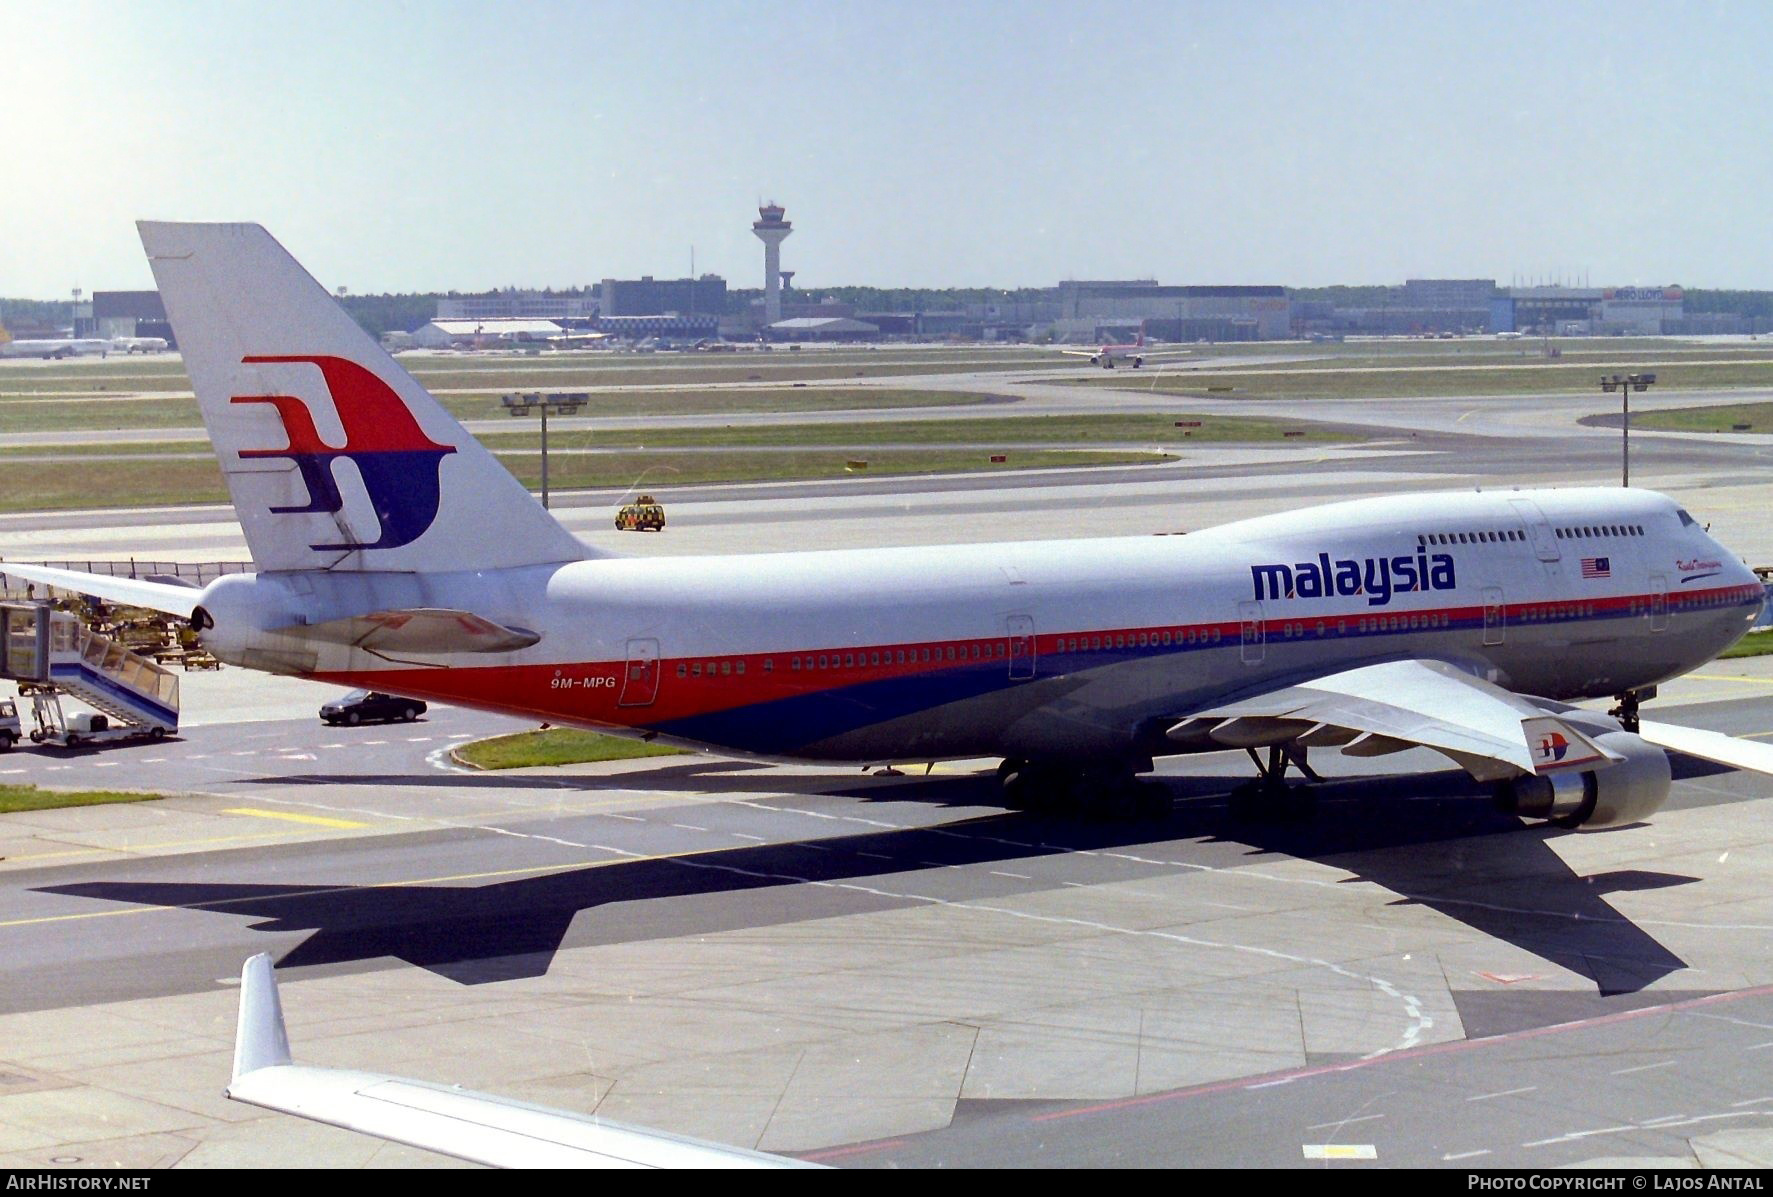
(1340, 1151)
(223, 903)
(316, 820)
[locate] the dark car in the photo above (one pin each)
(371, 706)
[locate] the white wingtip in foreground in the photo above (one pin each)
(469, 1126)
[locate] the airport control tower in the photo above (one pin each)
(771, 229)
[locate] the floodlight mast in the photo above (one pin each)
(563, 404)
(1625, 384)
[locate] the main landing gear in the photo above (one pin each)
(1627, 710)
(1106, 790)
(1269, 797)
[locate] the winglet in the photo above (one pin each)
(260, 1040)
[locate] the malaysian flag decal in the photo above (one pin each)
(1597, 567)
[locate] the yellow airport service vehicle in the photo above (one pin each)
(643, 515)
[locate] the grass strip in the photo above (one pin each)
(1755, 644)
(15, 798)
(34, 484)
(555, 746)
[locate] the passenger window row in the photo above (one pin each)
(1424, 539)
(1597, 531)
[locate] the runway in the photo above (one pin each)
(894, 970)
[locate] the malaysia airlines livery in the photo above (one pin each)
(393, 552)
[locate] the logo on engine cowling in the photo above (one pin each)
(1553, 746)
(1376, 578)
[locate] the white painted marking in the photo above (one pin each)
(419, 739)
(160, 760)
(629, 818)
(688, 827)
(104, 764)
(1572, 1136)
(740, 835)
(1464, 1155)
(1341, 1151)
(11, 770)
(1504, 1093)
(1661, 1120)
(1017, 876)
(1755, 1047)
(1753, 1101)
(1340, 1122)
(366, 744)
(1645, 1067)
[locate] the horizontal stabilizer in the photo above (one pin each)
(470, 1126)
(132, 592)
(418, 630)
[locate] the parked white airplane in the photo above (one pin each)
(139, 344)
(56, 347)
(481, 1127)
(395, 553)
(1133, 353)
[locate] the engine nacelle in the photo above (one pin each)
(1631, 790)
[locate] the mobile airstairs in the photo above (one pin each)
(52, 656)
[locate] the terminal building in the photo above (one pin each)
(649, 296)
(1589, 311)
(1090, 310)
(512, 304)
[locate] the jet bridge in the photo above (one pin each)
(50, 654)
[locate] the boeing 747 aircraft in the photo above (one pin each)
(393, 552)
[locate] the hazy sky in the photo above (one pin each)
(452, 145)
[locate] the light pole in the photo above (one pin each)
(563, 404)
(1625, 384)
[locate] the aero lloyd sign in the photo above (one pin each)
(1376, 578)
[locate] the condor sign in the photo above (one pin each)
(1378, 578)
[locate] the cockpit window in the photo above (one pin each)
(1687, 521)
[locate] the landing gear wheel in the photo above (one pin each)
(1271, 802)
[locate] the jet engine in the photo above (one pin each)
(1627, 791)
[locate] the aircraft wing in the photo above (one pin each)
(131, 592)
(1377, 709)
(1752, 755)
(470, 1126)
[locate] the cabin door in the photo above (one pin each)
(1253, 631)
(1021, 635)
(640, 678)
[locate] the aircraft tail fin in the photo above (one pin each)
(336, 458)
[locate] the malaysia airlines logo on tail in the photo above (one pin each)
(1553, 746)
(401, 467)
